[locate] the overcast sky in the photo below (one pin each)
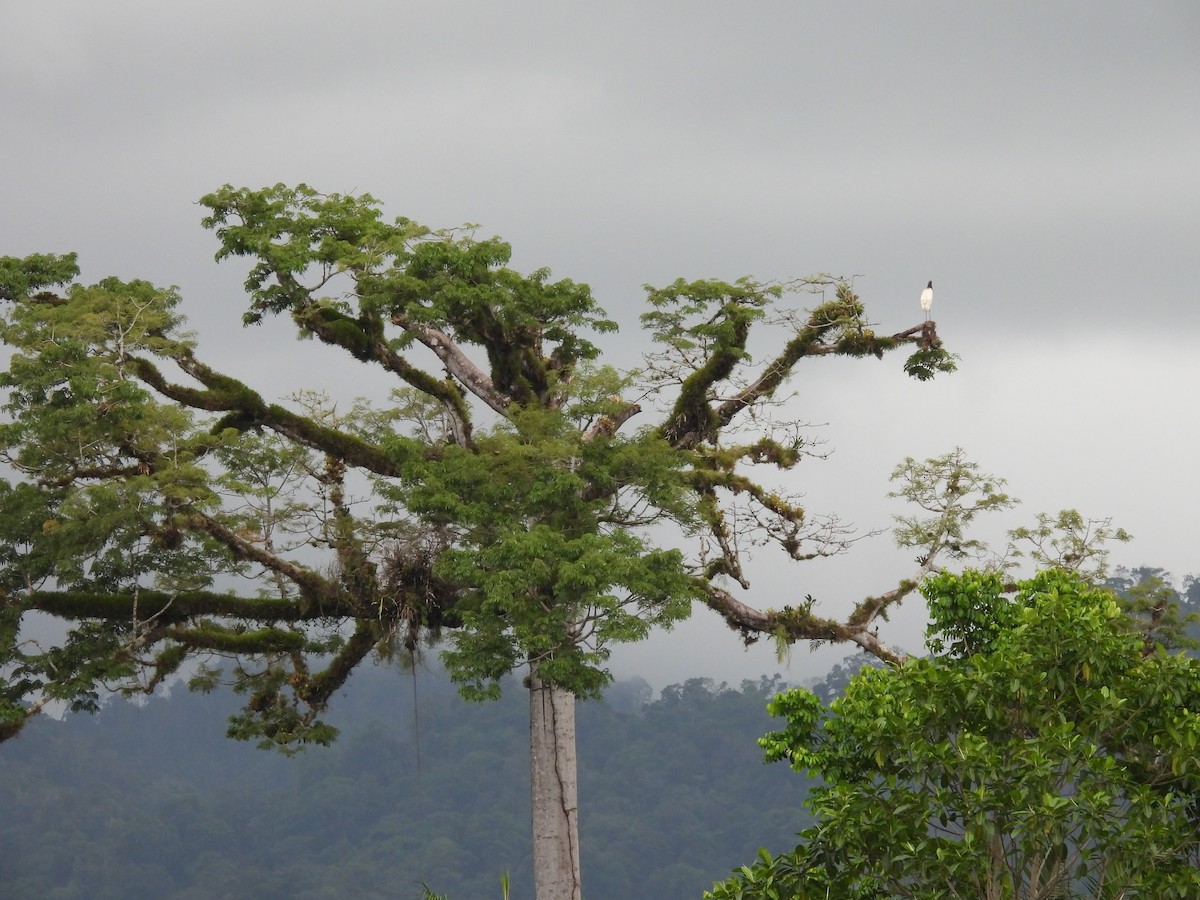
(1038, 161)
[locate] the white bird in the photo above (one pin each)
(927, 300)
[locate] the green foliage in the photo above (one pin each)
(1038, 753)
(968, 613)
(402, 271)
(1068, 541)
(690, 315)
(21, 277)
(708, 324)
(288, 230)
(25, 511)
(537, 557)
(953, 492)
(497, 504)
(928, 363)
(838, 678)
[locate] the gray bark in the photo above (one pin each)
(555, 790)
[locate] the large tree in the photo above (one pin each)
(1048, 748)
(498, 499)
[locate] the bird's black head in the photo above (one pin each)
(930, 285)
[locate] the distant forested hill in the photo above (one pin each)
(154, 801)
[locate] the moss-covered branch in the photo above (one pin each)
(692, 419)
(363, 338)
(812, 341)
(210, 636)
(247, 409)
(314, 589)
(317, 689)
(167, 607)
(836, 327)
(793, 624)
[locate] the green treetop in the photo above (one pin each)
(510, 506)
(1046, 751)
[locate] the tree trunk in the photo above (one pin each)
(555, 791)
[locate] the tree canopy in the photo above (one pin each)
(1050, 747)
(497, 502)
(168, 511)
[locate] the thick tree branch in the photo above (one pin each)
(692, 420)
(793, 625)
(90, 473)
(264, 640)
(457, 363)
(363, 339)
(610, 424)
(809, 342)
(312, 586)
(942, 486)
(10, 728)
(247, 409)
(170, 608)
(317, 689)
